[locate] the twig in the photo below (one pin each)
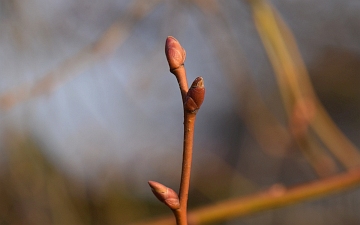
(272, 136)
(303, 106)
(275, 197)
(192, 100)
(107, 44)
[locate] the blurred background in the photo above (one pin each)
(89, 111)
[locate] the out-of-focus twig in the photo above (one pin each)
(34, 185)
(107, 44)
(270, 134)
(275, 197)
(303, 107)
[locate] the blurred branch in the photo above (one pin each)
(265, 128)
(106, 45)
(36, 190)
(275, 197)
(302, 105)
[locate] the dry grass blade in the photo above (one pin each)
(297, 91)
(107, 44)
(275, 197)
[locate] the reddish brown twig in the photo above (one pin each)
(192, 100)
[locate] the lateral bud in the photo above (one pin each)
(195, 96)
(175, 54)
(166, 195)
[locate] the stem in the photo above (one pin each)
(194, 98)
(189, 126)
(180, 74)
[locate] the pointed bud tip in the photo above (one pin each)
(156, 186)
(198, 83)
(170, 40)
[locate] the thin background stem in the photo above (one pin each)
(275, 197)
(105, 46)
(295, 84)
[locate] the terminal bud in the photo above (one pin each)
(175, 54)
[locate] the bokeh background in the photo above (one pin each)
(89, 111)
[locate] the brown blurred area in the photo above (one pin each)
(89, 111)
